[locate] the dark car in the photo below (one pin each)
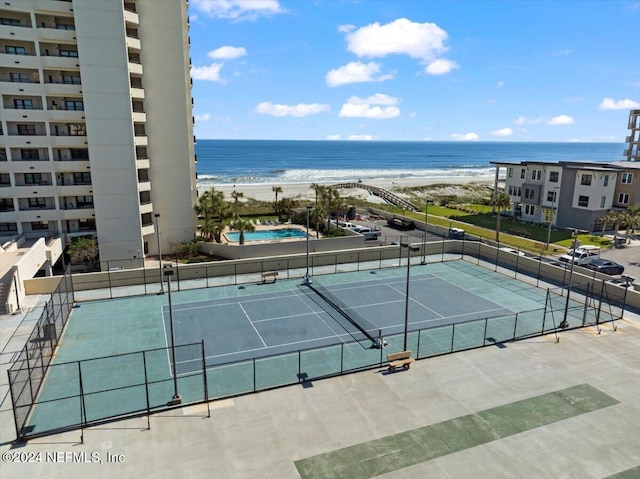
(605, 266)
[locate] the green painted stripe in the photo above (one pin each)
(387, 454)
(633, 473)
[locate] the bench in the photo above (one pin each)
(401, 359)
(273, 275)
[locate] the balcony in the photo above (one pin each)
(133, 43)
(140, 140)
(24, 116)
(23, 61)
(13, 140)
(137, 93)
(56, 35)
(21, 89)
(131, 17)
(59, 63)
(135, 68)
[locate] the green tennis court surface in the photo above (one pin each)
(391, 453)
(255, 336)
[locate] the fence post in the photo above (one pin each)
(204, 379)
(341, 358)
(484, 338)
(453, 335)
(417, 349)
(14, 406)
(83, 410)
(144, 276)
(146, 388)
(254, 374)
(109, 281)
(515, 326)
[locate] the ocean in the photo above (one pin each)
(286, 162)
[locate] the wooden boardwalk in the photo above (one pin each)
(382, 193)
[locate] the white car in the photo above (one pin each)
(511, 250)
(581, 256)
(623, 281)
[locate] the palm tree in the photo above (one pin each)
(83, 249)
(317, 189)
(631, 216)
(501, 202)
(213, 212)
(610, 217)
(330, 197)
(236, 195)
(242, 225)
(276, 190)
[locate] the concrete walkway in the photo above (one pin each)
(263, 435)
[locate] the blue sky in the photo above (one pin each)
(522, 70)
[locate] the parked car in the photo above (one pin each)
(511, 250)
(623, 281)
(605, 266)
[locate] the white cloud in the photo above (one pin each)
(356, 72)
(500, 84)
(238, 9)
(521, 120)
(203, 117)
(357, 107)
(502, 132)
(441, 66)
(465, 136)
(361, 137)
(561, 120)
(210, 73)
(564, 52)
(611, 104)
(227, 53)
(423, 41)
(333, 137)
(298, 111)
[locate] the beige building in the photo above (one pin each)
(96, 127)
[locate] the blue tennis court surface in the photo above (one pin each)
(236, 339)
(258, 324)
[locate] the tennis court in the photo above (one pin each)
(114, 358)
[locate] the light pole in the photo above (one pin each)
(176, 399)
(424, 237)
(307, 278)
(574, 235)
(406, 299)
(553, 209)
(157, 217)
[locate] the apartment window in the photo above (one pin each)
(6, 204)
(536, 175)
(65, 26)
(26, 129)
(76, 105)
(554, 176)
(583, 201)
(29, 154)
(3, 154)
(5, 180)
(606, 180)
(623, 198)
(39, 225)
(23, 104)
(79, 154)
(19, 78)
(585, 180)
(8, 227)
(529, 210)
(77, 130)
(87, 225)
(529, 193)
(510, 172)
(69, 53)
(71, 79)
(37, 203)
(33, 178)
(551, 196)
(627, 178)
(603, 201)
(13, 50)
(12, 22)
(84, 201)
(82, 178)
(522, 173)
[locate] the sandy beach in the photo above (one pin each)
(303, 191)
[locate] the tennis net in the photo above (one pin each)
(363, 328)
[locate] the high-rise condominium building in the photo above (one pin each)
(633, 140)
(96, 127)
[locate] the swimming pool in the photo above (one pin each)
(266, 235)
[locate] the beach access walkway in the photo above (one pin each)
(380, 192)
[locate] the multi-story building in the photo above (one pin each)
(96, 127)
(567, 194)
(633, 140)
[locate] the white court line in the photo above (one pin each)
(252, 325)
(417, 302)
(230, 301)
(164, 328)
(318, 315)
(462, 315)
